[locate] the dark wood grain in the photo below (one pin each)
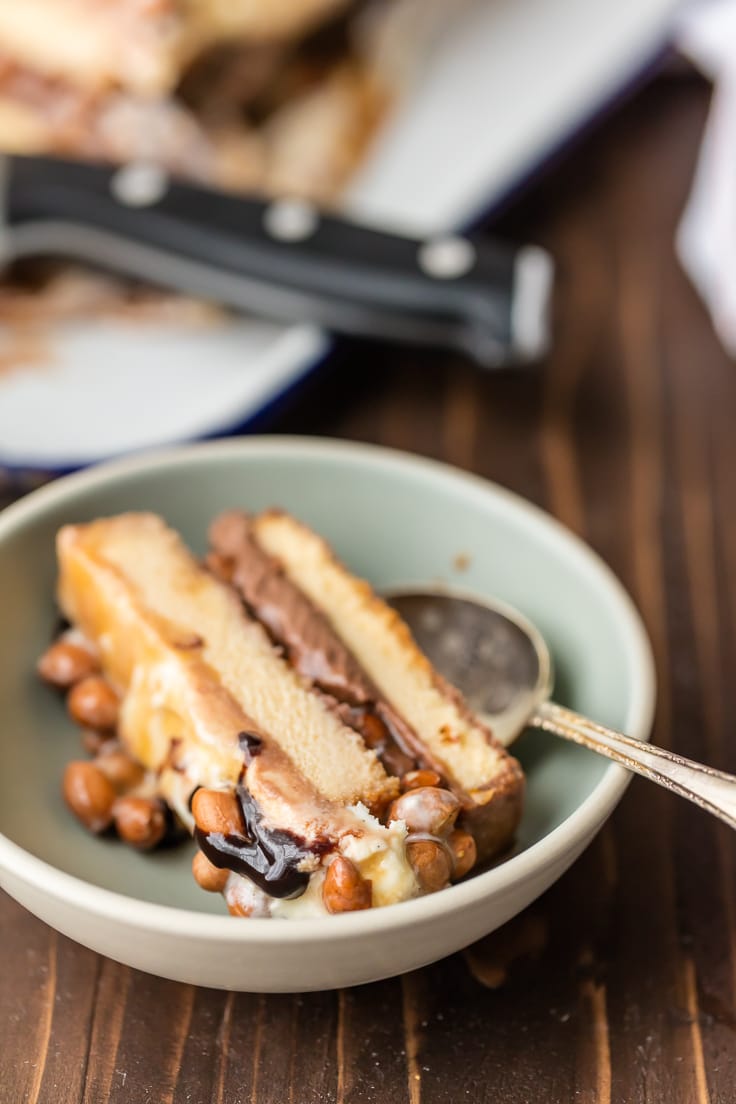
(619, 985)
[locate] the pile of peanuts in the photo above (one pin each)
(437, 851)
(101, 792)
(214, 811)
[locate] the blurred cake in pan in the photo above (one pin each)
(277, 97)
(142, 45)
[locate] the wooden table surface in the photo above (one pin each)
(619, 985)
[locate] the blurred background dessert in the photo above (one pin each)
(415, 115)
(276, 98)
(251, 95)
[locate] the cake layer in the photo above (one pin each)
(207, 702)
(488, 780)
(130, 578)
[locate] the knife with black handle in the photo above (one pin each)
(283, 259)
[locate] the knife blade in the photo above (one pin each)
(283, 259)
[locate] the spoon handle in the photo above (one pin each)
(712, 790)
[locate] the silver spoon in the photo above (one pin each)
(501, 664)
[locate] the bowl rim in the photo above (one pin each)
(575, 830)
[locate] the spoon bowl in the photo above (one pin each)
(501, 664)
(493, 654)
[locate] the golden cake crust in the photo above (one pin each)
(488, 780)
(166, 629)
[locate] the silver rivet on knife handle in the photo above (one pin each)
(139, 184)
(447, 258)
(530, 306)
(291, 220)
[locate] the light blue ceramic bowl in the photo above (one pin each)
(394, 519)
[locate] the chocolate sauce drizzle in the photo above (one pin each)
(268, 856)
(251, 745)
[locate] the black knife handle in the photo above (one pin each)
(283, 259)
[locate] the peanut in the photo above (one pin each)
(430, 862)
(93, 741)
(65, 663)
(89, 795)
(217, 812)
(415, 779)
(464, 852)
(373, 730)
(344, 889)
(428, 809)
(221, 566)
(93, 703)
(236, 908)
(207, 875)
(117, 765)
(140, 821)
